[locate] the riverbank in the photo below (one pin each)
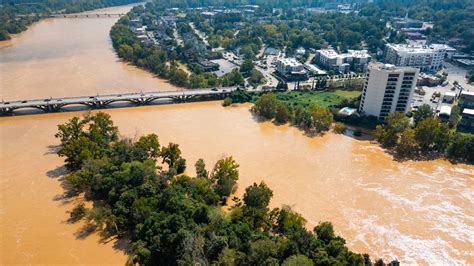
(334, 177)
(18, 17)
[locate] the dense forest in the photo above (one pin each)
(452, 19)
(140, 192)
(16, 16)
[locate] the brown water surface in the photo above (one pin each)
(418, 212)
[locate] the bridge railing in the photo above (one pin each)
(122, 95)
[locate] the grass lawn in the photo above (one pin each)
(321, 98)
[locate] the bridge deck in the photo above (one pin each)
(91, 15)
(102, 101)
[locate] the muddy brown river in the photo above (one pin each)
(417, 212)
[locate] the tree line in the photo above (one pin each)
(427, 138)
(140, 191)
(312, 119)
(15, 17)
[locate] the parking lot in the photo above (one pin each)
(430, 97)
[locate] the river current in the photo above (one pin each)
(417, 212)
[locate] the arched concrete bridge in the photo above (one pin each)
(105, 101)
(87, 15)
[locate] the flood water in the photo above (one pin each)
(417, 212)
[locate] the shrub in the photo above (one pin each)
(339, 128)
(227, 101)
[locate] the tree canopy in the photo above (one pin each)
(174, 219)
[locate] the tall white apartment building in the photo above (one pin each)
(387, 89)
(428, 58)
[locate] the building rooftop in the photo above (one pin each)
(380, 66)
(467, 93)
(445, 110)
(292, 62)
(315, 69)
(417, 48)
(450, 94)
(468, 111)
(331, 53)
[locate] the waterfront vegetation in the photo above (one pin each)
(428, 138)
(312, 119)
(423, 137)
(140, 192)
(16, 16)
(327, 98)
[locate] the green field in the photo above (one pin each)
(321, 98)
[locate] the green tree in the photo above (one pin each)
(423, 112)
(172, 156)
(230, 257)
(282, 114)
(290, 223)
(225, 175)
(339, 128)
(322, 118)
(298, 260)
(260, 251)
(461, 148)
(325, 231)
(201, 168)
(87, 138)
(257, 196)
(386, 136)
(227, 102)
(431, 134)
(147, 148)
(246, 67)
(398, 122)
(256, 199)
(303, 118)
(407, 147)
(266, 106)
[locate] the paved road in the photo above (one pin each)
(456, 73)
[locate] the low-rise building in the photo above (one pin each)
(467, 120)
(428, 80)
(208, 65)
(314, 70)
(357, 60)
(387, 89)
(449, 97)
(428, 58)
(291, 69)
(444, 113)
(406, 22)
(466, 100)
(300, 51)
(467, 63)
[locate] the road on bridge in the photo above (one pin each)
(103, 101)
